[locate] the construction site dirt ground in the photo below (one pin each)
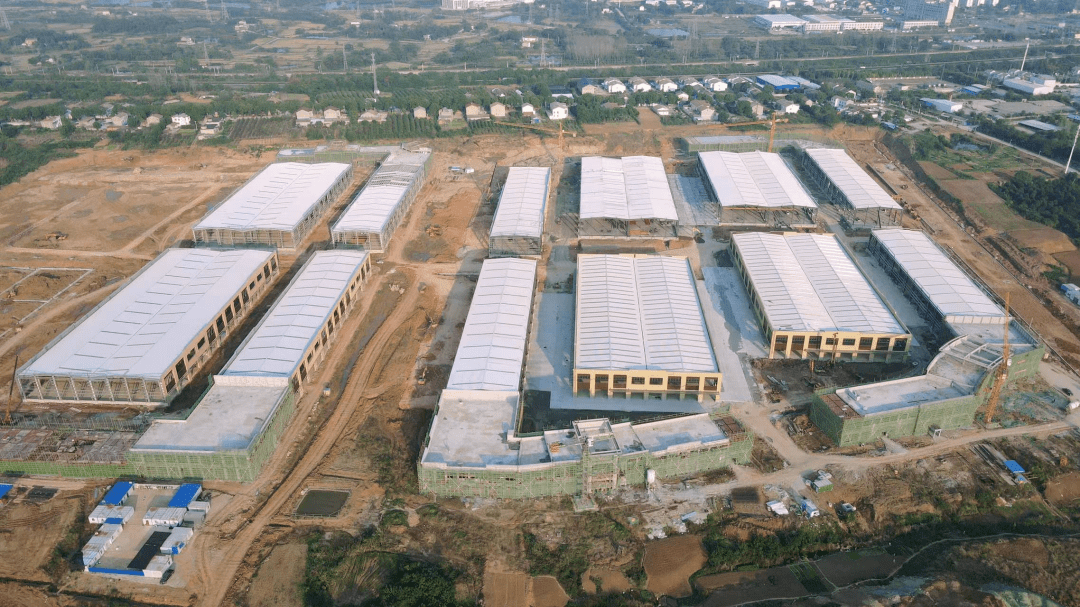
(367, 434)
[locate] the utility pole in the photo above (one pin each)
(206, 5)
(344, 59)
(224, 12)
(374, 79)
(1024, 62)
(1069, 163)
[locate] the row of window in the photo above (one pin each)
(672, 382)
(328, 331)
(218, 327)
(814, 342)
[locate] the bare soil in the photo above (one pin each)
(1047, 240)
(936, 171)
(545, 591)
(505, 589)
(277, 584)
(610, 580)
(31, 531)
(736, 588)
(670, 562)
(1064, 490)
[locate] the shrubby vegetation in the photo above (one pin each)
(1052, 202)
(20, 160)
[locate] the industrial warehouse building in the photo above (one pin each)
(862, 201)
(146, 340)
(518, 226)
(640, 332)
(626, 198)
(473, 446)
(278, 207)
(371, 218)
(235, 426)
(814, 302)
(959, 379)
(756, 189)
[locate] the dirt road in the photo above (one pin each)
(214, 581)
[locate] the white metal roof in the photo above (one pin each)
(634, 187)
(753, 179)
(639, 312)
(522, 202)
(807, 282)
(947, 286)
(859, 188)
(277, 346)
(492, 348)
(277, 198)
(145, 326)
(372, 208)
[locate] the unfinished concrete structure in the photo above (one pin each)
(639, 329)
(369, 221)
(518, 226)
(473, 447)
(146, 340)
(278, 207)
(756, 189)
(959, 379)
(626, 198)
(863, 203)
(235, 426)
(814, 302)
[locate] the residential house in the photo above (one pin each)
(116, 121)
(558, 111)
(446, 114)
(529, 41)
(755, 107)
(86, 123)
(614, 85)
(152, 120)
(715, 84)
(661, 110)
(640, 85)
(528, 110)
(700, 111)
(498, 110)
(683, 96)
(665, 85)
(839, 103)
(690, 81)
(303, 117)
(419, 112)
(587, 87)
(475, 111)
(789, 107)
(331, 115)
(181, 119)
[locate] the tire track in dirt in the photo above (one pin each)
(221, 579)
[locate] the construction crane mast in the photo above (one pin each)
(1001, 373)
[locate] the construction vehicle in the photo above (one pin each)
(1001, 372)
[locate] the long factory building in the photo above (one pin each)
(959, 379)
(146, 341)
(813, 302)
(278, 207)
(518, 226)
(235, 426)
(626, 197)
(756, 189)
(369, 221)
(862, 201)
(639, 329)
(474, 448)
